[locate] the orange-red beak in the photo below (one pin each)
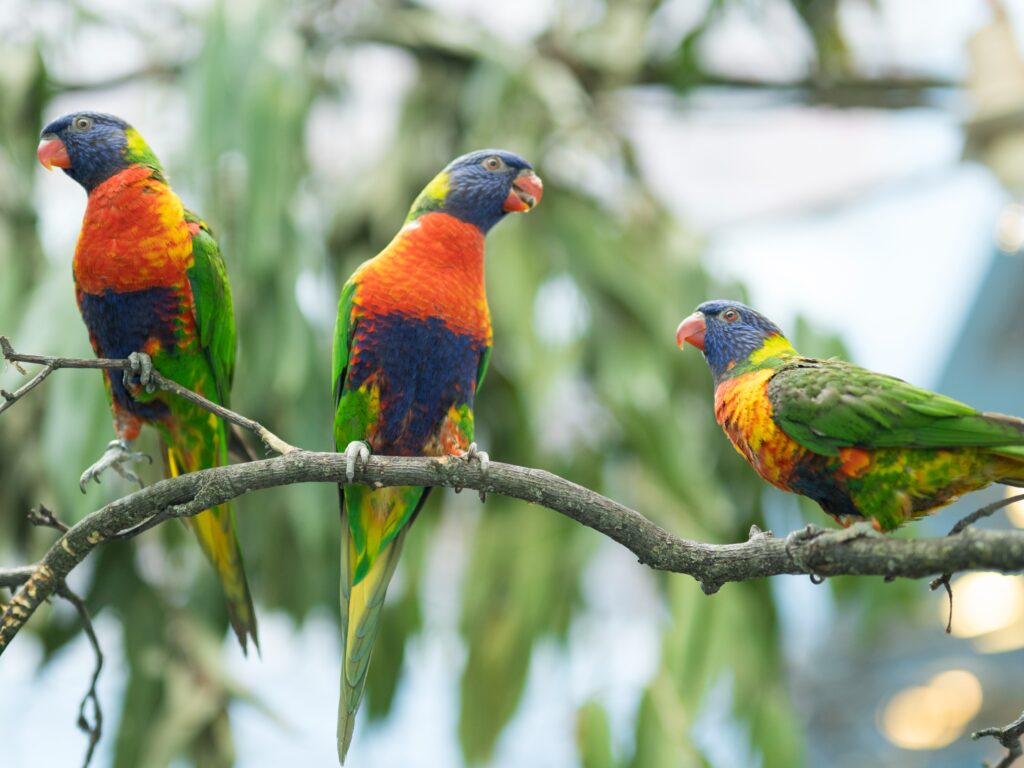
(53, 154)
(692, 331)
(526, 192)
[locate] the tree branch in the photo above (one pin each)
(1009, 736)
(92, 729)
(711, 564)
(272, 441)
(15, 577)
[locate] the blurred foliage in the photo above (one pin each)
(587, 384)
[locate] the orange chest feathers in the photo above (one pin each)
(434, 268)
(134, 236)
(743, 410)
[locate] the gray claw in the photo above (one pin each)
(864, 529)
(141, 366)
(117, 455)
(807, 533)
(355, 452)
(475, 454)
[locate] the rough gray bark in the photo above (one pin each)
(713, 565)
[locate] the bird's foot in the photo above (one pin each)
(794, 541)
(803, 535)
(355, 452)
(141, 367)
(865, 529)
(116, 457)
(473, 453)
(794, 544)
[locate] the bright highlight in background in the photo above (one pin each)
(1015, 512)
(1010, 229)
(933, 715)
(985, 603)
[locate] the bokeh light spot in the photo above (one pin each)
(1015, 512)
(933, 715)
(985, 602)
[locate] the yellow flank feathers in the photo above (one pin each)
(743, 410)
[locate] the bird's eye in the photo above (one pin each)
(493, 163)
(730, 315)
(82, 123)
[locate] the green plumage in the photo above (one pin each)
(830, 404)
(924, 449)
(193, 437)
(861, 444)
(214, 314)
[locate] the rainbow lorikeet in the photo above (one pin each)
(411, 346)
(152, 286)
(865, 446)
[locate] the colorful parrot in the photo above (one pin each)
(868, 448)
(411, 347)
(152, 287)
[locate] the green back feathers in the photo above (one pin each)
(826, 405)
(343, 329)
(214, 310)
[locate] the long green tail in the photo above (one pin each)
(215, 530)
(362, 597)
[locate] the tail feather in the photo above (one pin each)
(363, 589)
(218, 538)
(1007, 465)
(360, 618)
(1011, 452)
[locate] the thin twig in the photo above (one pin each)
(961, 525)
(272, 441)
(10, 398)
(43, 517)
(1009, 736)
(986, 511)
(15, 577)
(92, 729)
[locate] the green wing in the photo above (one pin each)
(214, 311)
(481, 368)
(826, 405)
(190, 450)
(344, 328)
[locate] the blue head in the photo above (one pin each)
(481, 188)
(729, 333)
(91, 147)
